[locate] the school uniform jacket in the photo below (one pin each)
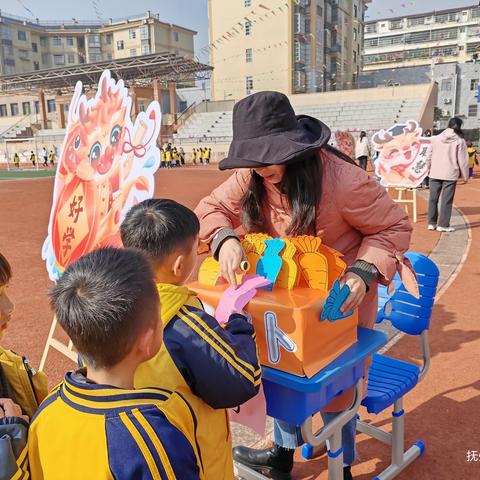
(212, 367)
(85, 431)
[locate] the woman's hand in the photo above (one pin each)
(358, 290)
(8, 408)
(230, 257)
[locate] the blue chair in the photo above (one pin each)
(389, 378)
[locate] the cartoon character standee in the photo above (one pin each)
(106, 165)
(345, 143)
(403, 159)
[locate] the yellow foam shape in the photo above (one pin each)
(336, 266)
(209, 272)
(254, 245)
(313, 264)
(288, 276)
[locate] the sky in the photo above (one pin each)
(188, 13)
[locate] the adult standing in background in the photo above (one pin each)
(362, 150)
(449, 162)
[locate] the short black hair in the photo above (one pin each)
(103, 301)
(158, 227)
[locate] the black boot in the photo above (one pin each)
(347, 474)
(277, 462)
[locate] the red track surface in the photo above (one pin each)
(442, 411)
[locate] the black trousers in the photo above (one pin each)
(362, 161)
(445, 188)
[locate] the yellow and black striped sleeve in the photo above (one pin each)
(221, 366)
(154, 447)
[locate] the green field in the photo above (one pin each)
(19, 174)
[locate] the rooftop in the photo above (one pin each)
(76, 24)
(424, 14)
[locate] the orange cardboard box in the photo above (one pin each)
(290, 335)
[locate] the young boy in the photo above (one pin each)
(212, 367)
(94, 425)
(472, 158)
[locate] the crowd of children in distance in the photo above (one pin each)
(159, 372)
(173, 157)
(46, 157)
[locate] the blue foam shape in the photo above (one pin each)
(270, 264)
(336, 298)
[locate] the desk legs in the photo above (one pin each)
(333, 432)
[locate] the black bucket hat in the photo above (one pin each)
(266, 131)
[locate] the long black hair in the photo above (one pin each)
(455, 124)
(301, 183)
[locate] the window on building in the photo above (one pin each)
(249, 55)
(354, 34)
(59, 59)
(133, 52)
(93, 40)
(36, 66)
(249, 84)
(319, 11)
(56, 41)
(176, 37)
(474, 85)
(248, 28)
(371, 28)
(132, 33)
(473, 110)
(43, 41)
(144, 32)
(71, 58)
(145, 49)
(14, 109)
(34, 47)
(23, 55)
(3, 110)
(355, 56)
(120, 45)
(109, 56)
(396, 24)
(413, 22)
(36, 106)
(94, 57)
(51, 107)
(109, 39)
(247, 3)
(26, 108)
(21, 35)
(446, 85)
(45, 58)
(355, 11)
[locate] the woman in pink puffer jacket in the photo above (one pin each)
(449, 162)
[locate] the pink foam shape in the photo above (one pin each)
(235, 299)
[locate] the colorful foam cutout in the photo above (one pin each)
(106, 165)
(270, 264)
(403, 155)
(336, 298)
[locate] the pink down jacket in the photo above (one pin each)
(355, 216)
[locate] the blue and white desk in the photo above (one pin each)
(295, 399)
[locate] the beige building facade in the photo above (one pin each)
(440, 36)
(27, 46)
(293, 46)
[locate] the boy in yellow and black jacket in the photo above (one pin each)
(95, 425)
(212, 367)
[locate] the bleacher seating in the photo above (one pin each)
(355, 116)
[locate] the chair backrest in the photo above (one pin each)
(407, 313)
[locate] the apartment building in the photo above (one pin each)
(293, 46)
(28, 45)
(440, 36)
